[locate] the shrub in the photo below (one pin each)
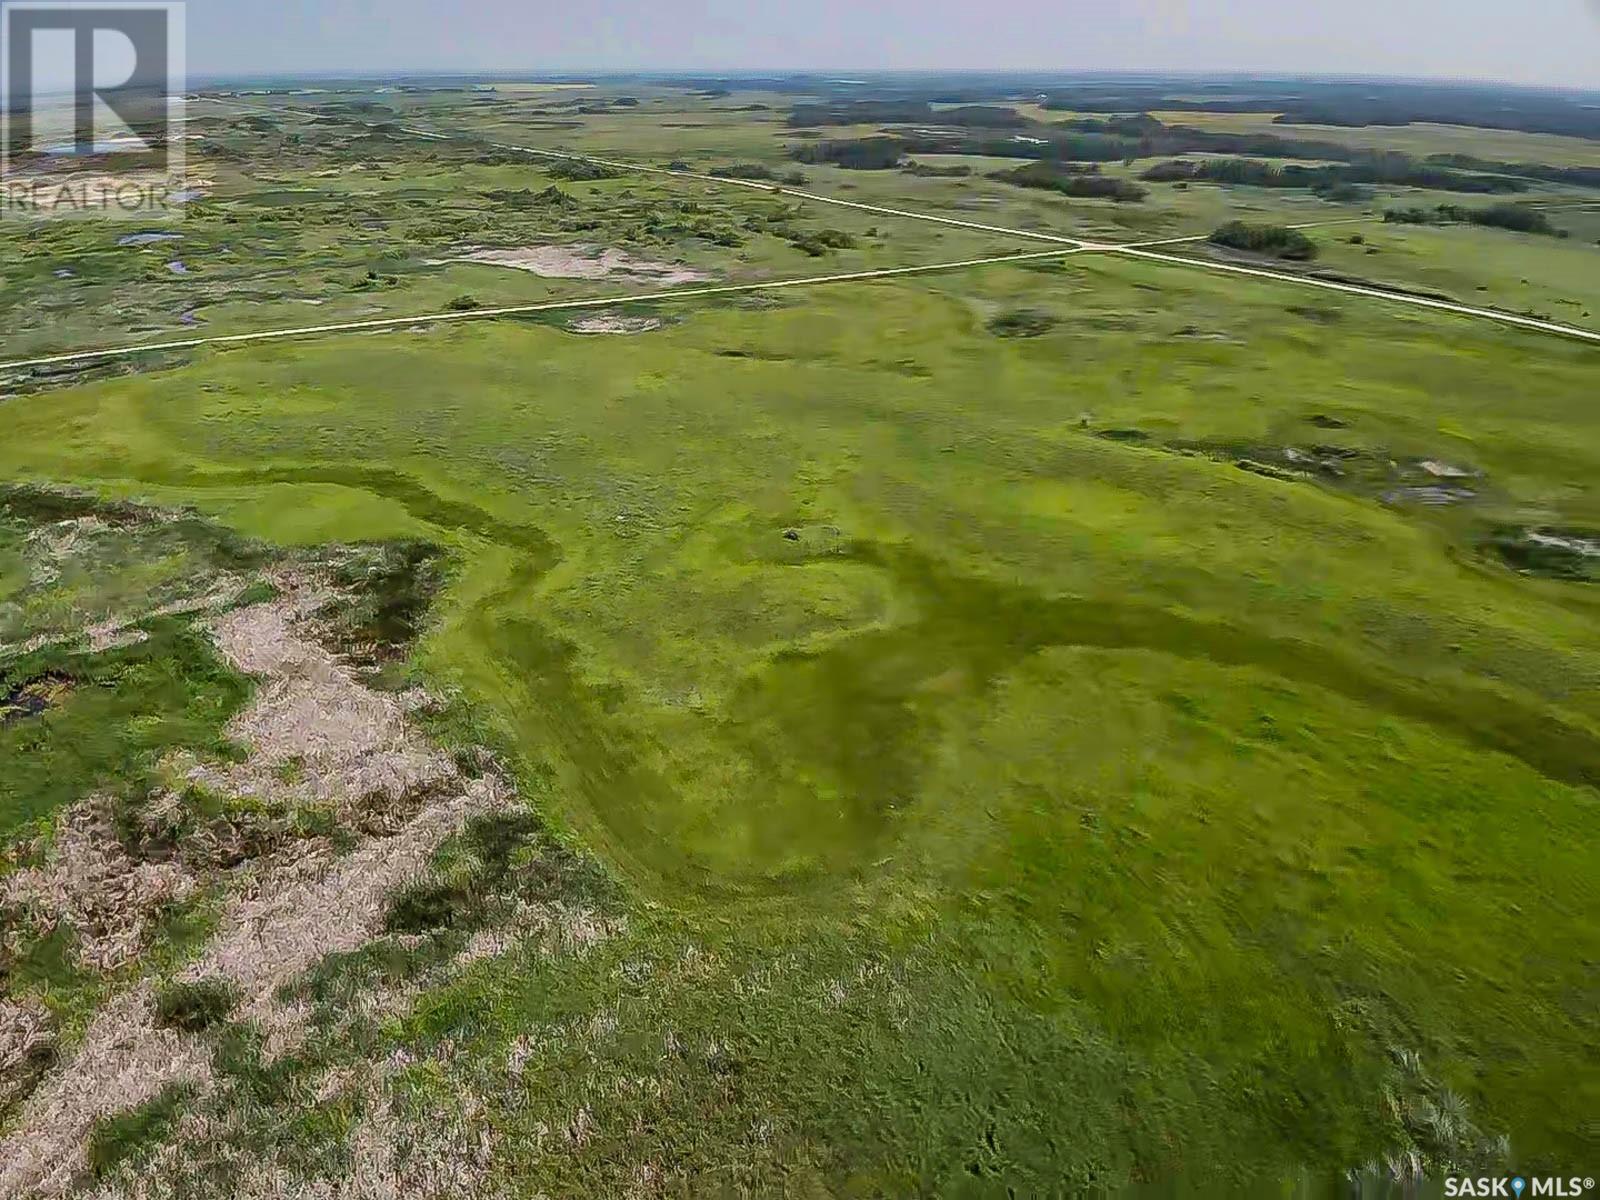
(195, 1006)
(1072, 180)
(576, 170)
(1022, 322)
(1276, 240)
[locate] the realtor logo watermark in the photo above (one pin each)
(91, 108)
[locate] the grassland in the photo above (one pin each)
(1030, 765)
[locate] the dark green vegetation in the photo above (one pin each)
(130, 1137)
(1276, 240)
(1128, 139)
(759, 171)
(1396, 170)
(1086, 184)
(1336, 102)
(193, 1007)
(1022, 322)
(77, 720)
(104, 720)
(1516, 217)
(1033, 729)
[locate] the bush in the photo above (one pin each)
(1073, 180)
(1022, 322)
(1276, 240)
(929, 171)
(193, 1007)
(1515, 217)
(861, 154)
(576, 170)
(462, 304)
(819, 242)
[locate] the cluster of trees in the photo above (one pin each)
(858, 154)
(575, 170)
(1517, 217)
(1331, 177)
(930, 171)
(1277, 240)
(782, 222)
(1343, 103)
(905, 112)
(1072, 179)
(1571, 176)
(1299, 100)
(1132, 138)
(551, 197)
(758, 171)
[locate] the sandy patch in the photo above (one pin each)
(313, 722)
(584, 262)
(323, 904)
(613, 322)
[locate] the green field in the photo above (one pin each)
(1018, 769)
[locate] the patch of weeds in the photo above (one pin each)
(129, 706)
(222, 830)
(387, 591)
(576, 170)
(259, 592)
(1277, 241)
(387, 963)
(1022, 323)
(35, 506)
(238, 1059)
(183, 931)
(428, 907)
(197, 1006)
(47, 963)
(132, 1136)
(1316, 312)
(759, 171)
(818, 242)
(495, 860)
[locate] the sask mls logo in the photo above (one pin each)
(1516, 1187)
(90, 105)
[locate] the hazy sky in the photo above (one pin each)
(1538, 41)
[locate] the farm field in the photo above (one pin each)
(1047, 727)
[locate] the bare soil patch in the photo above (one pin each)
(612, 322)
(584, 262)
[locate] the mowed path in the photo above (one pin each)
(1067, 245)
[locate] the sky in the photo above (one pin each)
(1548, 42)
